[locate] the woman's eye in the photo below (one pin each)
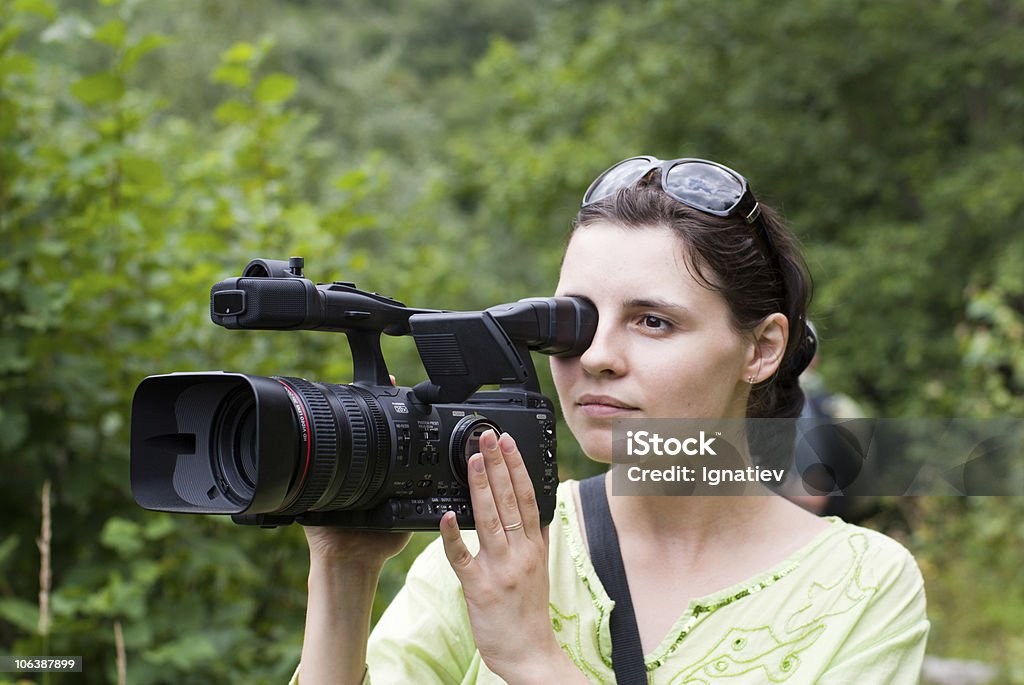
(655, 322)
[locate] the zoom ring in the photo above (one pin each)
(324, 437)
(353, 485)
(380, 460)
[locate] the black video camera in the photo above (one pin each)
(372, 455)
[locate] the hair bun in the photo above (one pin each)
(805, 352)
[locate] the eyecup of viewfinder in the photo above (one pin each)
(213, 443)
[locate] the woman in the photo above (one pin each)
(701, 294)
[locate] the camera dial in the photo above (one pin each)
(466, 442)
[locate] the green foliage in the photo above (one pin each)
(116, 218)
(920, 186)
(970, 554)
(436, 152)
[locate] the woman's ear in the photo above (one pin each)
(769, 345)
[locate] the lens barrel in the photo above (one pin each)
(229, 443)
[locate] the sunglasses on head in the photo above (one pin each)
(705, 186)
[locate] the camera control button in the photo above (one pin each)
(428, 455)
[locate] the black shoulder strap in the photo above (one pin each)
(627, 653)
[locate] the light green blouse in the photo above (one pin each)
(848, 607)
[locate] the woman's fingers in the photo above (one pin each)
(504, 503)
(455, 549)
(499, 480)
(489, 528)
(522, 485)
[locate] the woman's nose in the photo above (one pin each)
(605, 355)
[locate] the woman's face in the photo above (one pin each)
(664, 346)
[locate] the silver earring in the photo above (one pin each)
(751, 379)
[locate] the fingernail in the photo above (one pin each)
(508, 444)
(477, 462)
(488, 440)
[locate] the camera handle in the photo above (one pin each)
(368, 365)
(461, 351)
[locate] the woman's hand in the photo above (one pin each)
(506, 583)
(344, 566)
(343, 546)
(335, 546)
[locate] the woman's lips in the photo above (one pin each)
(603, 407)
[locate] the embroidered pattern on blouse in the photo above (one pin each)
(570, 637)
(701, 610)
(774, 649)
(575, 650)
(743, 650)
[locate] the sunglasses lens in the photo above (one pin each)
(622, 175)
(704, 186)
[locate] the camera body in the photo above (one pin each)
(422, 472)
(368, 454)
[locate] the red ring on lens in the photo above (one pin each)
(297, 488)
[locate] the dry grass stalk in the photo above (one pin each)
(45, 573)
(122, 660)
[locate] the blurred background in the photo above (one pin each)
(436, 151)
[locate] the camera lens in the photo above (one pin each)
(223, 443)
(338, 447)
(466, 442)
(348, 449)
(234, 446)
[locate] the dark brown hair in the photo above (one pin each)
(757, 268)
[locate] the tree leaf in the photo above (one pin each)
(43, 8)
(13, 422)
(112, 33)
(99, 88)
(185, 653)
(122, 535)
(275, 88)
(159, 526)
(21, 613)
(233, 111)
(143, 172)
(7, 547)
(16, 64)
(239, 53)
(143, 47)
(232, 74)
